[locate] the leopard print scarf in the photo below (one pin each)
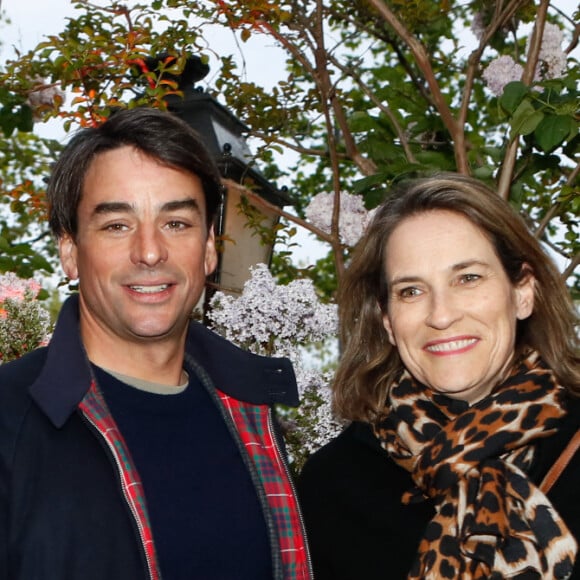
(490, 521)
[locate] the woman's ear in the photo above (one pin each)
(389, 329)
(525, 293)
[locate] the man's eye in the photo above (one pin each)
(177, 225)
(467, 278)
(115, 227)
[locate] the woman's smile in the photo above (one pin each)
(452, 311)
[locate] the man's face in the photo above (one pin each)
(142, 250)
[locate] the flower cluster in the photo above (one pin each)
(24, 323)
(551, 63)
(353, 218)
(552, 59)
(14, 288)
(280, 320)
(500, 72)
(273, 319)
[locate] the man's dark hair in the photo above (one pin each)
(158, 134)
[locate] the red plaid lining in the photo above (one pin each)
(96, 411)
(254, 427)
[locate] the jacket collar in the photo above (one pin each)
(66, 375)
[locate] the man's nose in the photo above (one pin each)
(148, 247)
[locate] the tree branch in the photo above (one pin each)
(329, 102)
(456, 130)
(259, 201)
(379, 104)
(555, 208)
(509, 162)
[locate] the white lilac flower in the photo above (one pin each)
(269, 318)
(552, 59)
(500, 72)
(353, 218)
(280, 320)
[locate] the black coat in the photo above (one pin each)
(357, 527)
(63, 515)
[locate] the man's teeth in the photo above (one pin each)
(150, 289)
(449, 346)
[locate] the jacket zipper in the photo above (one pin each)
(292, 487)
(277, 564)
(134, 513)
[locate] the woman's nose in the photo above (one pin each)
(443, 310)
(149, 247)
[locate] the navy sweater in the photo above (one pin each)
(204, 511)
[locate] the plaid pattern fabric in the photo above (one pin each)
(96, 411)
(255, 429)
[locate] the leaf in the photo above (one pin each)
(525, 119)
(26, 120)
(366, 183)
(484, 172)
(513, 95)
(361, 121)
(553, 131)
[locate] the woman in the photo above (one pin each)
(460, 376)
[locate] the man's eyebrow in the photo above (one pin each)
(124, 207)
(179, 204)
(112, 207)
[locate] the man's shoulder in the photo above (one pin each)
(15, 400)
(240, 373)
(22, 372)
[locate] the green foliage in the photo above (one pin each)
(25, 244)
(371, 91)
(15, 114)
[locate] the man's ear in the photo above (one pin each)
(67, 250)
(211, 258)
(524, 294)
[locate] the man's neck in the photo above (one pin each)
(154, 361)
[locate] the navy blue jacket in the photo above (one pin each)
(62, 513)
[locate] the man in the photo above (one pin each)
(138, 444)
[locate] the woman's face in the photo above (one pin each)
(452, 311)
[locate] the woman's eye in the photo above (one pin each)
(409, 292)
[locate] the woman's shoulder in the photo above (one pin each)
(549, 448)
(356, 444)
(350, 492)
(354, 465)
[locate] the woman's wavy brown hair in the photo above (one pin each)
(369, 363)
